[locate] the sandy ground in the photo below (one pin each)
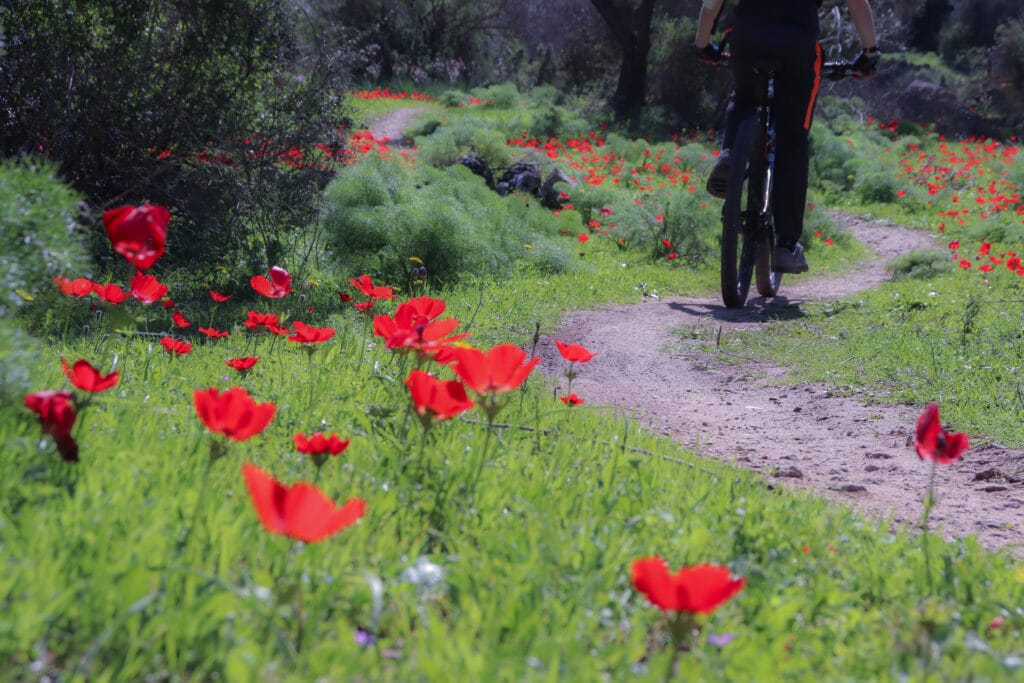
(798, 435)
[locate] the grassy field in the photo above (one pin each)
(500, 549)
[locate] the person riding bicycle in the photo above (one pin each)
(784, 31)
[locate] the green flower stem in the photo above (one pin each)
(929, 503)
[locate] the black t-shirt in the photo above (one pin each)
(801, 13)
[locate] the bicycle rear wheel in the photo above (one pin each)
(738, 252)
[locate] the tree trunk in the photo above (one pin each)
(630, 24)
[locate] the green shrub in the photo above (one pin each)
(39, 231)
(500, 96)
(920, 264)
(445, 217)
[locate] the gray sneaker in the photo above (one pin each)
(718, 181)
(789, 260)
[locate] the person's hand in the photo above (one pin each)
(710, 54)
(866, 64)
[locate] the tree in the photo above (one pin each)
(630, 24)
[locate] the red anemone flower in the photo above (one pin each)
(87, 378)
(264, 321)
(497, 371)
(699, 589)
(111, 293)
(318, 444)
(57, 416)
(213, 333)
(242, 364)
(218, 297)
(300, 511)
(279, 284)
(363, 305)
(932, 443)
(414, 327)
(146, 288)
(180, 320)
(139, 233)
(365, 285)
(571, 400)
(232, 412)
(79, 287)
(307, 334)
(434, 399)
(175, 346)
(574, 353)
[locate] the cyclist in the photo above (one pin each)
(785, 31)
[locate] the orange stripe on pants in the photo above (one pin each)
(817, 85)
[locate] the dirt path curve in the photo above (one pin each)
(393, 124)
(800, 435)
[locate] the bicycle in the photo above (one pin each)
(748, 235)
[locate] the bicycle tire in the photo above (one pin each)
(738, 254)
(767, 281)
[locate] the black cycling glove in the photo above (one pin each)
(710, 54)
(866, 63)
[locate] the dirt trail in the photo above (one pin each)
(799, 435)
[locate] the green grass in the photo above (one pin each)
(145, 560)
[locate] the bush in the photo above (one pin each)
(920, 264)
(380, 213)
(200, 120)
(40, 234)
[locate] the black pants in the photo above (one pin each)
(796, 89)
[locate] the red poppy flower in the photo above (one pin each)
(57, 416)
(583, 238)
(414, 327)
(111, 293)
(300, 511)
(242, 364)
(365, 285)
(214, 333)
(497, 371)
(232, 412)
(574, 353)
(318, 444)
(434, 399)
(699, 589)
(345, 298)
(139, 233)
(218, 297)
(933, 443)
(180, 320)
(167, 303)
(175, 346)
(673, 256)
(87, 378)
(80, 287)
(264, 321)
(307, 334)
(279, 284)
(571, 400)
(666, 243)
(363, 305)
(146, 288)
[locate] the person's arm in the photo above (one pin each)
(864, 21)
(709, 12)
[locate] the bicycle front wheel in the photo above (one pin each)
(738, 253)
(767, 281)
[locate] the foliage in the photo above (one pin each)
(920, 264)
(40, 233)
(208, 108)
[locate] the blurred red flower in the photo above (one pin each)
(279, 284)
(111, 293)
(213, 333)
(363, 305)
(307, 334)
(242, 364)
(574, 353)
(232, 412)
(57, 416)
(365, 285)
(87, 378)
(699, 589)
(218, 297)
(571, 400)
(583, 238)
(180, 320)
(300, 511)
(146, 288)
(139, 233)
(318, 444)
(264, 321)
(434, 399)
(80, 287)
(175, 346)
(932, 443)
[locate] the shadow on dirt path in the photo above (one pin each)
(803, 435)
